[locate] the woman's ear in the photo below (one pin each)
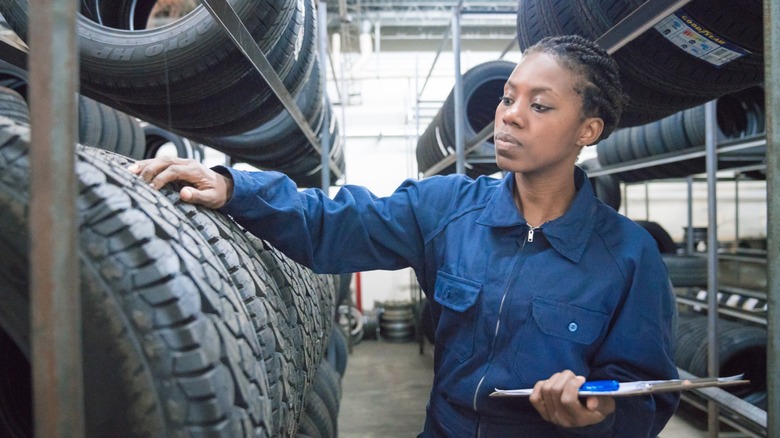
(590, 131)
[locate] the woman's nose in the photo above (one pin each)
(513, 115)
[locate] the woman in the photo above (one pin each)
(533, 281)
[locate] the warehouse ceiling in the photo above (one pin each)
(416, 25)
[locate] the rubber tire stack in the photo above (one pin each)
(189, 78)
(738, 116)
(195, 326)
(482, 86)
(742, 349)
(99, 125)
(659, 77)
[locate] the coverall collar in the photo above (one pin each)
(568, 234)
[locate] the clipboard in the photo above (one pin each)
(643, 387)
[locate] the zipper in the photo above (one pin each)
(498, 320)
(495, 335)
(531, 231)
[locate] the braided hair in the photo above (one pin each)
(601, 91)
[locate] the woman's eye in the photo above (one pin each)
(539, 108)
(506, 101)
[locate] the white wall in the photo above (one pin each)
(667, 204)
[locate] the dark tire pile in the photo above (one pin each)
(483, 85)
(743, 346)
(661, 79)
(738, 115)
(191, 326)
(188, 78)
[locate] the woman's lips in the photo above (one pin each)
(502, 139)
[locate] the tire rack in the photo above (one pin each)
(752, 420)
(71, 413)
(462, 150)
(642, 19)
(226, 16)
(56, 338)
(749, 418)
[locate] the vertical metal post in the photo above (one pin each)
(54, 283)
(322, 22)
(460, 144)
(625, 199)
(710, 125)
(689, 235)
(344, 99)
(772, 84)
(736, 207)
(416, 101)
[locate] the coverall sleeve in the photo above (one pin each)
(354, 231)
(639, 347)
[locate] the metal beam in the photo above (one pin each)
(642, 18)
(226, 16)
(460, 154)
(772, 84)
(54, 282)
(713, 346)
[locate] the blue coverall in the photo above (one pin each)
(512, 305)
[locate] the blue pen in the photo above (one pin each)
(600, 386)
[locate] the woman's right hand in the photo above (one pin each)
(205, 187)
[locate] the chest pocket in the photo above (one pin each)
(458, 297)
(558, 336)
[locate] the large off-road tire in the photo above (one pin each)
(186, 74)
(169, 348)
(303, 300)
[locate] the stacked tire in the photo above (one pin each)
(189, 78)
(482, 86)
(99, 125)
(197, 327)
(738, 115)
(742, 350)
(662, 72)
(397, 321)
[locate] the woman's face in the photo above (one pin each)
(539, 123)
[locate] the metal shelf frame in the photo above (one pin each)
(462, 149)
(227, 17)
(59, 412)
(55, 297)
(619, 35)
(642, 19)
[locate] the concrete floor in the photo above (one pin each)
(386, 386)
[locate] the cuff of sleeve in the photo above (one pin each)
(242, 184)
(600, 429)
(247, 186)
(228, 172)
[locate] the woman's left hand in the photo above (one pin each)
(558, 402)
